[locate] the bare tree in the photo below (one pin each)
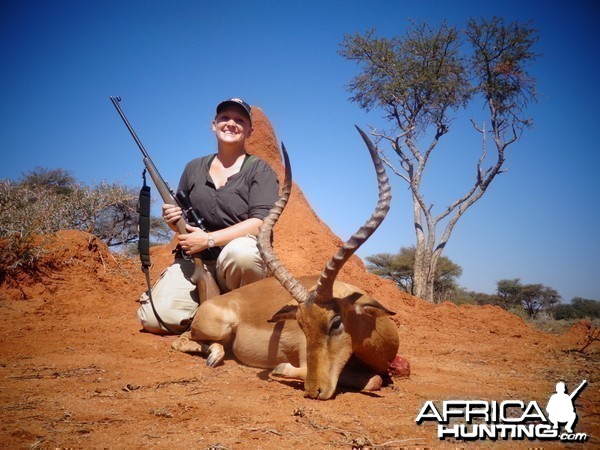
(420, 80)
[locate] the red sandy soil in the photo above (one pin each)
(78, 373)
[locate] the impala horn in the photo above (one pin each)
(281, 274)
(324, 291)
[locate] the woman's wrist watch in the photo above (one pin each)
(210, 242)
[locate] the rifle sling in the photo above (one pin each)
(144, 247)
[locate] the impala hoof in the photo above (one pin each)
(216, 355)
(374, 383)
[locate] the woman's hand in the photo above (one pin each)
(194, 241)
(171, 214)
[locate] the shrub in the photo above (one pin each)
(46, 201)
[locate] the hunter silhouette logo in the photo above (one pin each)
(508, 419)
(560, 406)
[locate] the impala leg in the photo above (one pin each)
(185, 344)
(215, 351)
(211, 331)
(288, 371)
(358, 377)
(361, 381)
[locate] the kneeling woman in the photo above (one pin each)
(233, 192)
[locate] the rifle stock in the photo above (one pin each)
(202, 278)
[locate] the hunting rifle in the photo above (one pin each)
(201, 277)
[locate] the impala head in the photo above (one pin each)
(333, 316)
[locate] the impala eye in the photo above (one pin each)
(337, 326)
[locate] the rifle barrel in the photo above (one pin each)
(115, 101)
(575, 393)
(163, 187)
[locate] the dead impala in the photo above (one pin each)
(315, 329)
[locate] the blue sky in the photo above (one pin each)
(172, 62)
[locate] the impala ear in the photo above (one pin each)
(288, 312)
(363, 304)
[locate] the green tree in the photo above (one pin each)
(508, 291)
(399, 268)
(537, 297)
(579, 308)
(396, 267)
(532, 297)
(419, 81)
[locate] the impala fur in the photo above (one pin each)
(316, 329)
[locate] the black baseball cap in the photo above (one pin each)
(238, 102)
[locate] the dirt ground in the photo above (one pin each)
(77, 372)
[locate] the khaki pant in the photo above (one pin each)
(175, 297)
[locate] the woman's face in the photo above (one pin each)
(232, 126)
